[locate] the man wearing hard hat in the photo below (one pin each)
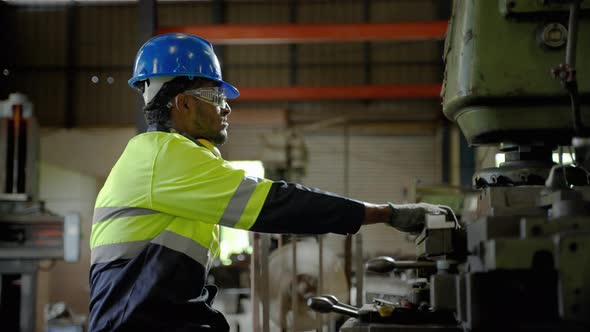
(156, 222)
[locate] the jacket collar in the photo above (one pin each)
(206, 144)
(199, 141)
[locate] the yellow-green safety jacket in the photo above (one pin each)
(155, 230)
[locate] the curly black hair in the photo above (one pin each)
(157, 111)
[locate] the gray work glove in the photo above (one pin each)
(411, 217)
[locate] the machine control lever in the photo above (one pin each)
(334, 300)
(384, 264)
(326, 305)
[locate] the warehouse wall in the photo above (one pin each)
(355, 162)
(74, 61)
(74, 165)
(379, 169)
(92, 151)
(67, 191)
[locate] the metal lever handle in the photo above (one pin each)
(324, 305)
(334, 300)
(384, 264)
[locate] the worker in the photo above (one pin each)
(156, 220)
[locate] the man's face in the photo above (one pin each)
(200, 118)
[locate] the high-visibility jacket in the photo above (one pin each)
(155, 230)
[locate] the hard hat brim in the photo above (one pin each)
(230, 91)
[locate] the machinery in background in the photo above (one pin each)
(28, 232)
(307, 282)
(301, 266)
(522, 261)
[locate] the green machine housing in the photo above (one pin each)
(498, 84)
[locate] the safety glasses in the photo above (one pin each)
(212, 95)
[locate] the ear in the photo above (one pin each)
(178, 107)
(181, 102)
(179, 112)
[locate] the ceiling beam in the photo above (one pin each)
(301, 93)
(303, 33)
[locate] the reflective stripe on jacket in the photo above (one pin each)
(155, 233)
(165, 189)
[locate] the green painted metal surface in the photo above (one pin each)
(498, 85)
(518, 7)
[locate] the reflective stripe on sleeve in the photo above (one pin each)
(107, 213)
(114, 251)
(239, 200)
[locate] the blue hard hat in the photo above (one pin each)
(179, 54)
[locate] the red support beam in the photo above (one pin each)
(300, 93)
(301, 33)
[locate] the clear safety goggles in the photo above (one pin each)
(212, 95)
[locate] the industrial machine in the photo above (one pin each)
(307, 282)
(28, 232)
(518, 77)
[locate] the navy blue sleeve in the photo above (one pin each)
(293, 208)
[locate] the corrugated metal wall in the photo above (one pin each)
(384, 169)
(106, 40)
(104, 44)
(39, 58)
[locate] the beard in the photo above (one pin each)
(219, 138)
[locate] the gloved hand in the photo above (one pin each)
(411, 217)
